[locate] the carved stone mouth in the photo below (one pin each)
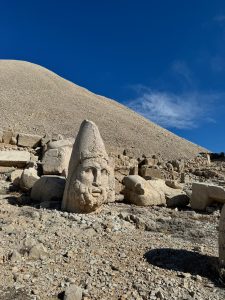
(96, 192)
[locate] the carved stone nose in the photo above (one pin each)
(97, 178)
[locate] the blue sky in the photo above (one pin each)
(164, 59)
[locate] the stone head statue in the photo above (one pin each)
(90, 181)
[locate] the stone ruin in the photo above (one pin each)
(51, 168)
(80, 176)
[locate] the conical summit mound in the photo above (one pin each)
(36, 100)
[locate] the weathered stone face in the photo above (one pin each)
(89, 185)
(90, 180)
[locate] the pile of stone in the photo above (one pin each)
(52, 168)
(84, 176)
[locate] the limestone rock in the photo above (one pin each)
(90, 181)
(14, 158)
(15, 256)
(73, 292)
(28, 178)
(140, 192)
(38, 252)
(48, 188)
(28, 140)
(7, 136)
(149, 172)
(204, 194)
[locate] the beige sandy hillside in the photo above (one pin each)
(35, 100)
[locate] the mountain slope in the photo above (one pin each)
(36, 100)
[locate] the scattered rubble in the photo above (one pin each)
(168, 250)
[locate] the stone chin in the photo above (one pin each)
(87, 198)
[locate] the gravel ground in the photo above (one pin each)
(120, 252)
(35, 100)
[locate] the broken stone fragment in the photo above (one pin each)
(73, 292)
(7, 136)
(15, 256)
(204, 194)
(28, 178)
(15, 177)
(29, 140)
(138, 191)
(38, 252)
(152, 192)
(56, 158)
(90, 181)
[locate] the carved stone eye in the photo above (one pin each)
(104, 172)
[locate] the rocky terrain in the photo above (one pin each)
(154, 231)
(121, 251)
(35, 100)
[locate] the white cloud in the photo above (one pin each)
(169, 110)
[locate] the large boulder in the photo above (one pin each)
(48, 188)
(204, 194)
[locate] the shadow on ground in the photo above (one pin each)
(185, 261)
(25, 200)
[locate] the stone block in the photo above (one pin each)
(14, 158)
(150, 172)
(7, 136)
(29, 140)
(56, 161)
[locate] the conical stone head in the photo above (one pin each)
(90, 179)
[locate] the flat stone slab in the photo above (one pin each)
(28, 140)
(14, 158)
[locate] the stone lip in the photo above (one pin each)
(14, 158)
